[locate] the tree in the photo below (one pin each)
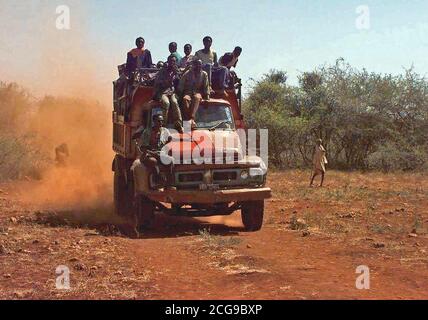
(355, 112)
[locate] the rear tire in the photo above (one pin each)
(123, 200)
(122, 194)
(252, 213)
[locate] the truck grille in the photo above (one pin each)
(190, 177)
(224, 175)
(224, 178)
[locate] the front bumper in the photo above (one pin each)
(210, 197)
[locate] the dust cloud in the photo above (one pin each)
(86, 179)
(73, 106)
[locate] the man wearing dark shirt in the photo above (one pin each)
(230, 59)
(138, 57)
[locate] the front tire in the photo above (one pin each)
(145, 211)
(252, 213)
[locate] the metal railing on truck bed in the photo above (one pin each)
(125, 88)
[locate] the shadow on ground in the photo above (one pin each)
(172, 226)
(104, 221)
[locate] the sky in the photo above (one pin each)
(294, 36)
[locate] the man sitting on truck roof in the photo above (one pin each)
(164, 91)
(138, 57)
(151, 142)
(193, 87)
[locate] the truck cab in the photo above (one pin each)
(210, 178)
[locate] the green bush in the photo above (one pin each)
(15, 105)
(391, 158)
(366, 120)
(19, 159)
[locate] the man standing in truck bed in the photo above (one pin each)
(218, 75)
(173, 52)
(139, 57)
(186, 61)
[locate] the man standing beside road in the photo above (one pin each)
(319, 162)
(193, 87)
(61, 155)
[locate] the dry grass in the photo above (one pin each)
(223, 255)
(218, 242)
(354, 204)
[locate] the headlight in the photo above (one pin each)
(255, 172)
(263, 166)
(260, 171)
(244, 174)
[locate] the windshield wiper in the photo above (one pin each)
(219, 124)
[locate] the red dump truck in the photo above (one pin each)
(202, 189)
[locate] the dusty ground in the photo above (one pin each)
(309, 248)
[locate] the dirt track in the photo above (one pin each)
(373, 219)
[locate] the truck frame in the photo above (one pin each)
(202, 190)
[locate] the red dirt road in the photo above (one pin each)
(358, 219)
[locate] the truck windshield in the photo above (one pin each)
(214, 116)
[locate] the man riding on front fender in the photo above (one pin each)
(150, 143)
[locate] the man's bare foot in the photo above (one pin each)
(179, 128)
